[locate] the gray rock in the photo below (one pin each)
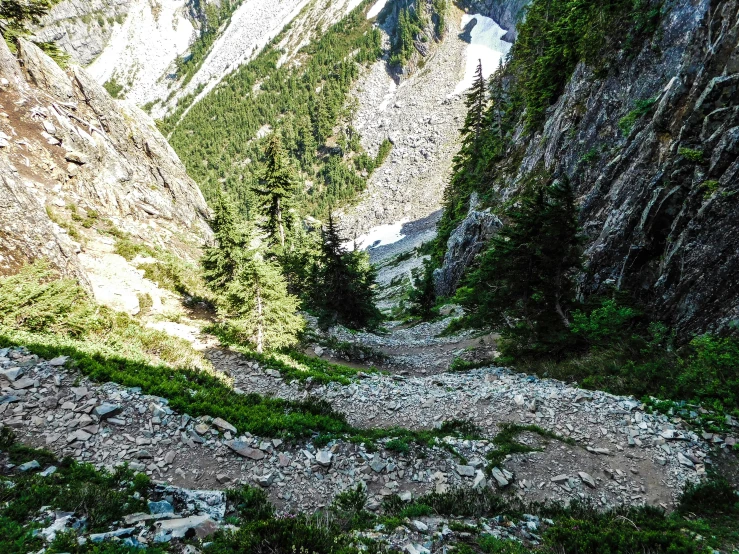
(200, 526)
(323, 457)
(29, 466)
(224, 425)
(587, 479)
(243, 449)
(465, 471)
(106, 410)
(161, 507)
(500, 479)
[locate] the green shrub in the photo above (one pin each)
(642, 108)
(695, 156)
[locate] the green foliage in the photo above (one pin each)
(692, 155)
(506, 444)
(251, 292)
(39, 302)
(128, 248)
(344, 285)
(398, 445)
(383, 152)
(275, 190)
(604, 325)
(624, 353)
(556, 35)
(523, 283)
(259, 308)
(16, 16)
(113, 87)
(460, 364)
(712, 497)
(217, 138)
(422, 298)
(642, 108)
(491, 545)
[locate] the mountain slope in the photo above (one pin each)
(647, 136)
(80, 168)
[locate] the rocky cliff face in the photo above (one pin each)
(73, 162)
(466, 242)
(658, 192)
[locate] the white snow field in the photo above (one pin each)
(378, 236)
(375, 10)
(486, 45)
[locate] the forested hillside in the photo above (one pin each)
(220, 139)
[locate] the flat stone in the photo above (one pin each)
(161, 507)
(480, 481)
(224, 425)
(194, 526)
(377, 465)
(465, 471)
(587, 479)
(264, 480)
(684, 461)
(118, 533)
(48, 471)
(500, 479)
(24, 383)
(106, 410)
(170, 456)
(419, 526)
(13, 373)
(76, 157)
(58, 361)
(562, 478)
(243, 449)
(29, 466)
(201, 428)
(8, 399)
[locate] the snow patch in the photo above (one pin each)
(379, 236)
(486, 45)
(375, 10)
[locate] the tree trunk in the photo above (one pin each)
(279, 222)
(260, 322)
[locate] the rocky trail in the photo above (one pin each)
(611, 451)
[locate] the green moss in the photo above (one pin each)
(642, 108)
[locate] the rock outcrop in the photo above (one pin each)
(651, 151)
(72, 160)
(464, 244)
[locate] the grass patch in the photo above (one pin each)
(506, 444)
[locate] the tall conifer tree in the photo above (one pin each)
(276, 189)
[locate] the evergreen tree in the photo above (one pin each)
(476, 102)
(259, 307)
(422, 297)
(299, 260)
(221, 259)
(523, 283)
(276, 189)
(343, 290)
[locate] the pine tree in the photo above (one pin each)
(476, 102)
(258, 306)
(275, 189)
(221, 259)
(523, 283)
(422, 297)
(343, 290)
